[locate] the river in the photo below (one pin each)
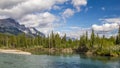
(57, 61)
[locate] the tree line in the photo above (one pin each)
(56, 41)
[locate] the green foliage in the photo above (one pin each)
(118, 37)
(92, 40)
(93, 43)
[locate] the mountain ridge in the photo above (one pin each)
(11, 26)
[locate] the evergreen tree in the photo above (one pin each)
(92, 38)
(57, 40)
(82, 41)
(64, 39)
(86, 36)
(118, 37)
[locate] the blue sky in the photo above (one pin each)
(72, 17)
(91, 14)
(93, 11)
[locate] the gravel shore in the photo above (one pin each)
(14, 51)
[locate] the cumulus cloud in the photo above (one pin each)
(41, 20)
(6, 4)
(68, 13)
(36, 13)
(22, 7)
(105, 27)
(27, 7)
(78, 3)
(75, 32)
(61, 1)
(31, 13)
(3, 17)
(109, 24)
(111, 20)
(56, 7)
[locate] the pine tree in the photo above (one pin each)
(64, 39)
(118, 37)
(57, 40)
(86, 36)
(92, 39)
(82, 41)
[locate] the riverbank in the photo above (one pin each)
(111, 51)
(52, 51)
(92, 52)
(41, 50)
(13, 51)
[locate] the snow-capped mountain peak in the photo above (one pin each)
(11, 26)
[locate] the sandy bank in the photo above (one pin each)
(14, 51)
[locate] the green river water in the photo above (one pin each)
(57, 61)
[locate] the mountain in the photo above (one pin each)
(33, 31)
(11, 26)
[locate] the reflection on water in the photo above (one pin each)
(47, 61)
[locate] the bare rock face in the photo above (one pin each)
(10, 26)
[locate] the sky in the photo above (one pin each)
(70, 17)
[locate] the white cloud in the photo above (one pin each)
(31, 13)
(27, 7)
(105, 27)
(68, 13)
(78, 3)
(6, 4)
(38, 20)
(3, 17)
(56, 7)
(75, 27)
(109, 24)
(111, 20)
(22, 7)
(46, 30)
(44, 22)
(75, 32)
(35, 13)
(61, 1)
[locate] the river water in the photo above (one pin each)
(57, 61)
